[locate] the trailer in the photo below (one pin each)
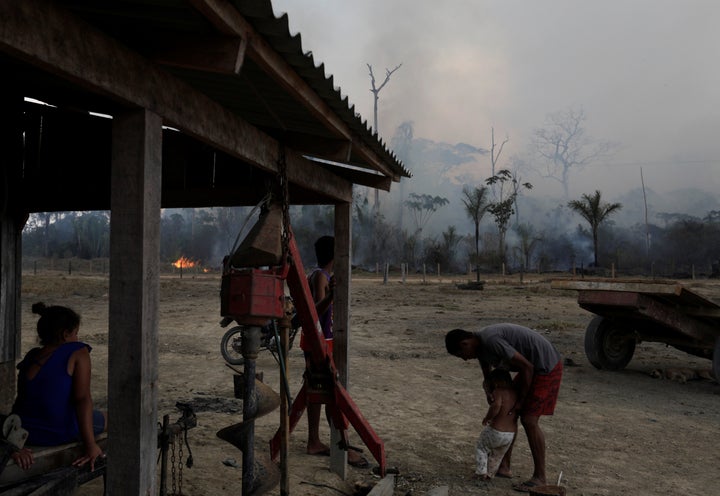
(628, 312)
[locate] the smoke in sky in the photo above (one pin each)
(645, 73)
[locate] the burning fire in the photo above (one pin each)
(184, 263)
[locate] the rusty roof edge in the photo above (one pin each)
(261, 15)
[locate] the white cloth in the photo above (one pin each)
(490, 449)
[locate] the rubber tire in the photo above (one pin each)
(716, 361)
(608, 346)
(226, 349)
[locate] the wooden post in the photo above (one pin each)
(423, 273)
(133, 309)
(385, 273)
(341, 320)
(11, 225)
(612, 270)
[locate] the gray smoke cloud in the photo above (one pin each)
(645, 73)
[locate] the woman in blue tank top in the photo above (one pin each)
(53, 390)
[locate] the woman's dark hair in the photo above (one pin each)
(54, 321)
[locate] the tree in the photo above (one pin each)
(375, 90)
(591, 208)
(423, 206)
(494, 157)
(564, 146)
(504, 207)
(92, 234)
(528, 242)
(475, 202)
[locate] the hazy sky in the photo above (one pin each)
(646, 73)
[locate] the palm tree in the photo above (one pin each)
(595, 212)
(476, 205)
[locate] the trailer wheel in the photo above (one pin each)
(716, 361)
(608, 345)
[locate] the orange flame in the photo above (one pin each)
(184, 263)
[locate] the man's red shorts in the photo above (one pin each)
(543, 394)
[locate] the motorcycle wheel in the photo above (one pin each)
(230, 346)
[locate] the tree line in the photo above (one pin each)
(684, 246)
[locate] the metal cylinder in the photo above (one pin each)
(250, 348)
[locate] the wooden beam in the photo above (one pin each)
(100, 64)
(334, 149)
(229, 21)
(355, 176)
(220, 54)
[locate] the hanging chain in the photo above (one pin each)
(284, 199)
(172, 466)
(180, 466)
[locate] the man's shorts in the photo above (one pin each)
(543, 394)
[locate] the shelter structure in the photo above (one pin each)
(161, 104)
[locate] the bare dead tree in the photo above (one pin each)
(494, 157)
(376, 91)
(564, 145)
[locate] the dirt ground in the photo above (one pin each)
(612, 433)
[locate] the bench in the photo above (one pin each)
(52, 472)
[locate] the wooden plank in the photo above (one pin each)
(47, 458)
(659, 287)
(133, 310)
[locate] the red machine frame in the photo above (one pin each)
(321, 384)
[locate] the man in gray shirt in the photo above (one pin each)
(539, 373)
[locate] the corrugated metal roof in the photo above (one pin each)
(253, 94)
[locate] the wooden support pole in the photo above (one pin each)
(133, 309)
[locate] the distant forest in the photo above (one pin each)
(685, 246)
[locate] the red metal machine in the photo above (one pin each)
(322, 383)
(251, 296)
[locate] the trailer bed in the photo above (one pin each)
(631, 311)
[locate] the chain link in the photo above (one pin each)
(284, 199)
(172, 466)
(180, 466)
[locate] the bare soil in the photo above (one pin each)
(612, 433)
